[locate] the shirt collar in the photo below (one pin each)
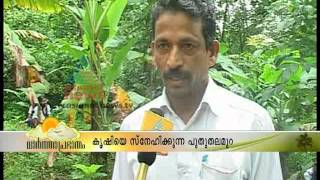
(212, 97)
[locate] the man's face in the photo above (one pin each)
(180, 53)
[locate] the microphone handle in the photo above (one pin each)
(142, 172)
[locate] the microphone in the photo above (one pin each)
(153, 120)
(145, 159)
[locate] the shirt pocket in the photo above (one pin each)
(221, 167)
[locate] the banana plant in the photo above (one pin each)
(48, 6)
(99, 23)
(25, 63)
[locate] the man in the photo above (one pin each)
(183, 49)
(33, 115)
(45, 107)
(46, 111)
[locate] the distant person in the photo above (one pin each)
(46, 110)
(45, 107)
(34, 112)
(33, 115)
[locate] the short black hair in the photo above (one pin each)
(203, 9)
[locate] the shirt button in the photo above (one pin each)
(184, 171)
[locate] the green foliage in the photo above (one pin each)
(57, 27)
(40, 88)
(275, 79)
(300, 162)
(99, 22)
(32, 166)
(8, 65)
(87, 172)
(51, 6)
(268, 55)
(112, 126)
(137, 99)
(13, 40)
(74, 51)
(114, 14)
(277, 61)
(135, 22)
(110, 73)
(148, 83)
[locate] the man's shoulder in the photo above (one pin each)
(134, 120)
(241, 103)
(246, 107)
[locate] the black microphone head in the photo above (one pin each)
(157, 111)
(147, 157)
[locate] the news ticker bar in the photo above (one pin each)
(166, 141)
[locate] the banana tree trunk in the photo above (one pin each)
(96, 125)
(96, 118)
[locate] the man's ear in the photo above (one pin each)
(213, 52)
(151, 46)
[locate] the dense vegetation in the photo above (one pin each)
(268, 54)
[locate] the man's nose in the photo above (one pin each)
(174, 60)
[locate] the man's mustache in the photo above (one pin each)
(176, 74)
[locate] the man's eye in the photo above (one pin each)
(188, 46)
(163, 46)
